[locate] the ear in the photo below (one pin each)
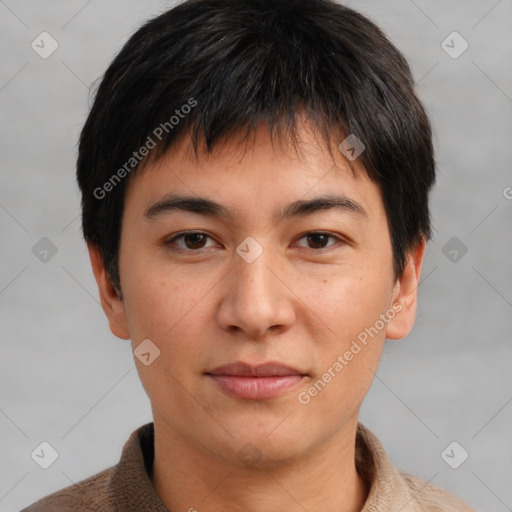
(405, 295)
(111, 302)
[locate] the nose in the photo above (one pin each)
(256, 299)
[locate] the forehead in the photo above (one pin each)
(255, 177)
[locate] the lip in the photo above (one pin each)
(269, 369)
(256, 382)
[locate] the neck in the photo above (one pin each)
(187, 478)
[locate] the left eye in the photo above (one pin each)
(319, 240)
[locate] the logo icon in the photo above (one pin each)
(454, 45)
(454, 455)
(44, 455)
(44, 250)
(44, 45)
(352, 147)
(454, 249)
(146, 352)
(249, 454)
(249, 249)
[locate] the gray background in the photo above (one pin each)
(66, 380)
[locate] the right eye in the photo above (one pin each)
(191, 241)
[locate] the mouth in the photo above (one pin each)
(256, 382)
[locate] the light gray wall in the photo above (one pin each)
(66, 380)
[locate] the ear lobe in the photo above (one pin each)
(406, 294)
(111, 302)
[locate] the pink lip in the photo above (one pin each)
(267, 380)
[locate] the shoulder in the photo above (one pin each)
(393, 489)
(430, 498)
(89, 495)
(126, 485)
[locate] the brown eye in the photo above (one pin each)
(191, 241)
(194, 240)
(319, 240)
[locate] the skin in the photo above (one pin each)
(301, 302)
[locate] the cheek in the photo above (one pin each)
(158, 301)
(349, 304)
(172, 316)
(173, 312)
(353, 334)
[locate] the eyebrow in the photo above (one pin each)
(204, 206)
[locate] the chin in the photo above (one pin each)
(262, 453)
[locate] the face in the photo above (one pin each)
(286, 263)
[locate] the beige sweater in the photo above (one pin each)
(126, 487)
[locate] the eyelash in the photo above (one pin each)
(200, 251)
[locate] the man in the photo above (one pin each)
(255, 179)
